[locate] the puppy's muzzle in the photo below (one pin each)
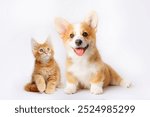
(78, 42)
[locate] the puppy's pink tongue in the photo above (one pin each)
(79, 51)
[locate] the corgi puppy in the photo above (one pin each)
(84, 66)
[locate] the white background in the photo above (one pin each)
(123, 39)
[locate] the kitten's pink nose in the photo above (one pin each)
(45, 52)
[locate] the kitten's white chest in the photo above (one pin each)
(83, 70)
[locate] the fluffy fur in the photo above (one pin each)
(46, 74)
(84, 66)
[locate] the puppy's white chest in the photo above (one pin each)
(83, 70)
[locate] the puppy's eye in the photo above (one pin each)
(84, 34)
(41, 50)
(71, 35)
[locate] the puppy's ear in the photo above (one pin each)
(92, 19)
(61, 25)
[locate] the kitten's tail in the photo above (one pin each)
(31, 87)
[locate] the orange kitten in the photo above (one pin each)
(46, 74)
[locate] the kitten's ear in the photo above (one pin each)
(48, 41)
(34, 44)
(61, 25)
(92, 19)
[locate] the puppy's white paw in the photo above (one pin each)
(70, 88)
(126, 84)
(96, 91)
(96, 88)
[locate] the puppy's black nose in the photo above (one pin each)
(78, 42)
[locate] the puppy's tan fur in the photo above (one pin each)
(46, 74)
(87, 70)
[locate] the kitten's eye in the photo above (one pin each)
(84, 34)
(71, 35)
(48, 49)
(41, 50)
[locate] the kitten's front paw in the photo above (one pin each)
(96, 89)
(126, 84)
(41, 87)
(48, 91)
(70, 88)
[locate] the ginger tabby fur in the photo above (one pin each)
(46, 74)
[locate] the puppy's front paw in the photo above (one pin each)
(70, 88)
(126, 84)
(96, 89)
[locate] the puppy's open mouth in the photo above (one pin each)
(80, 51)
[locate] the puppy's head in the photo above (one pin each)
(78, 37)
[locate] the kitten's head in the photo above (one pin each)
(42, 52)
